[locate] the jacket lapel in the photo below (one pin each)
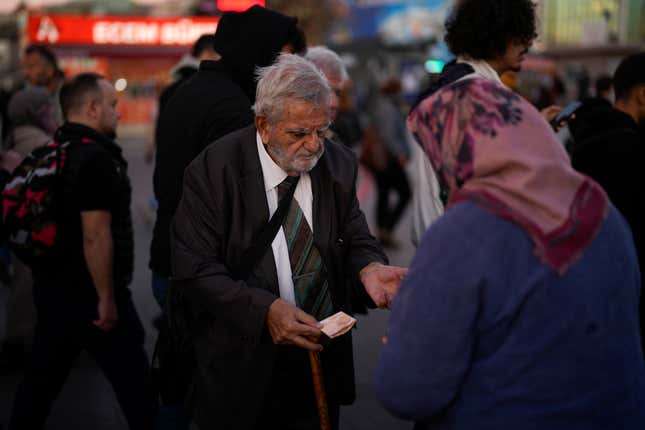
(255, 210)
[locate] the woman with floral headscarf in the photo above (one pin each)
(520, 309)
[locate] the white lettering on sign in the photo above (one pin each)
(47, 31)
(182, 32)
(125, 33)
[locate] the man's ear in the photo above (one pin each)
(92, 108)
(263, 127)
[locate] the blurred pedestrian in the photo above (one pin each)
(215, 102)
(610, 147)
(255, 320)
(331, 65)
(519, 310)
(489, 37)
(604, 88)
(81, 287)
(345, 126)
(203, 49)
(32, 115)
(33, 125)
(388, 123)
(40, 68)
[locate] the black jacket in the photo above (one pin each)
(609, 147)
(224, 207)
(185, 73)
(214, 102)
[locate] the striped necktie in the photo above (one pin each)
(307, 268)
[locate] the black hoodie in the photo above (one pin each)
(214, 102)
(251, 39)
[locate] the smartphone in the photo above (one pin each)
(565, 114)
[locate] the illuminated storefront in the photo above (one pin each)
(593, 23)
(136, 52)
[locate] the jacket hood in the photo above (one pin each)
(251, 39)
(597, 117)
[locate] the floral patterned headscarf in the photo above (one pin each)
(490, 146)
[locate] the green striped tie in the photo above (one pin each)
(307, 268)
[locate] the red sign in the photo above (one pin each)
(111, 30)
(238, 5)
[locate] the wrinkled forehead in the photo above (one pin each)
(304, 114)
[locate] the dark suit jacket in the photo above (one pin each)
(223, 208)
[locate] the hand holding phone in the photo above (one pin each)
(565, 114)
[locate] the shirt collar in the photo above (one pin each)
(482, 68)
(273, 174)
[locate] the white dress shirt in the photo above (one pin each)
(426, 203)
(273, 176)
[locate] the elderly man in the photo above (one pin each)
(252, 329)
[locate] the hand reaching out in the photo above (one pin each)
(382, 282)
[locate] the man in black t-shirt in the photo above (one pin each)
(81, 293)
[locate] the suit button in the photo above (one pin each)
(340, 241)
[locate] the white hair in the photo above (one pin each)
(328, 62)
(291, 77)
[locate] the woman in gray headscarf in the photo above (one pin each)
(31, 111)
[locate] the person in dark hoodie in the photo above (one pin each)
(217, 100)
(609, 146)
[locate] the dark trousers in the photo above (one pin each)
(119, 353)
(393, 178)
(290, 403)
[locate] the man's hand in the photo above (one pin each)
(382, 282)
(108, 315)
(289, 325)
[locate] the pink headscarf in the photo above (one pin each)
(490, 146)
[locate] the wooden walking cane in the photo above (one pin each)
(332, 327)
(319, 390)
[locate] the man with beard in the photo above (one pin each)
(489, 37)
(214, 102)
(252, 327)
(81, 288)
(609, 146)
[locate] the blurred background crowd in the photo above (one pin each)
(137, 43)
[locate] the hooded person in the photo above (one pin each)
(31, 111)
(216, 101)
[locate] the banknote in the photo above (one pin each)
(336, 325)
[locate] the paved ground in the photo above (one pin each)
(87, 400)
